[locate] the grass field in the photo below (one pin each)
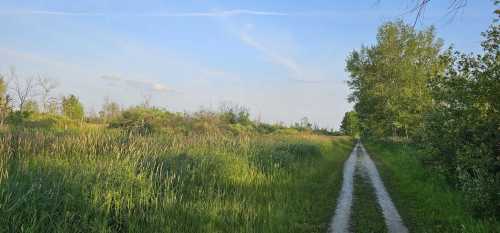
(109, 181)
(425, 200)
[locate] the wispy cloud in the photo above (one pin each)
(213, 13)
(296, 71)
(140, 84)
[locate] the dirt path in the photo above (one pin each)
(341, 220)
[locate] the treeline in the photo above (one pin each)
(408, 88)
(29, 103)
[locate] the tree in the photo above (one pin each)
(463, 128)
(23, 89)
(46, 87)
(389, 79)
(4, 101)
(31, 106)
(110, 110)
(350, 124)
(235, 114)
(72, 108)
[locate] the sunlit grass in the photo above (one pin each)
(110, 181)
(425, 200)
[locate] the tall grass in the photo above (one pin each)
(111, 181)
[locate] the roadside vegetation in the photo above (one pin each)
(410, 93)
(101, 180)
(422, 194)
(145, 169)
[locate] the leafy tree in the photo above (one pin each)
(463, 127)
(389, 79)
(350, 124)
(72, 108)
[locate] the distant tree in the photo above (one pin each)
(305, 123)
(23, 89)
(389, 79)
(52, 106)
(235, 114)
(4, 101)
(46, 86)
(110, 110)
(350, 124)
(72, 108)
(31, 106)
(142, 120)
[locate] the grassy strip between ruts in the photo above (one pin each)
(110, 181)
(366, 213)
(426, 202)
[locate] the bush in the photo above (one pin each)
(463, 127)
(141, 120)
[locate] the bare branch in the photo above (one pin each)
(23, 89)
(421, 5)
(46, 87)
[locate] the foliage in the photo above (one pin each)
(235, 114)
(4, 101)
(18, 118)
(303, 125)
(110, 111)
(72, 108)
(141, 120)
(389, 79)
(31, 106)
(27, 119)
(425, 199)
(463, 127)
(448, 102)
(350, 124)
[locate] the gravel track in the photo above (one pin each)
(341, 220)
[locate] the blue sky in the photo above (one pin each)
(282, 59)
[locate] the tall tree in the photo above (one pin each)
(389, 79)
(72, 108)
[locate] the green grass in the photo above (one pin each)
(109, 181)
(366, 213)
(425, 200)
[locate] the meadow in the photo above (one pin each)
(112, 180)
